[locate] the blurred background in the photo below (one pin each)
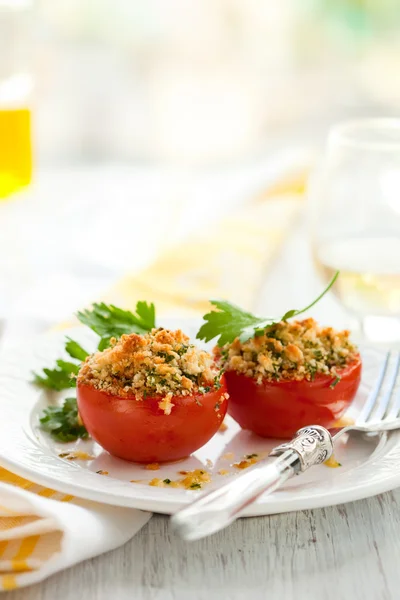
(204, 82)
(136, 124)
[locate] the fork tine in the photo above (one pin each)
(395, 408)
(373, 396)
(385, 400)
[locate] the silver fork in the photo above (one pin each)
(311, 446)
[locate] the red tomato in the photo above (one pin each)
(278, 409)
(140, 431)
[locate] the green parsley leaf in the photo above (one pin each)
(204, 389)
(62, 422)
(167, 357)
(167, 481)
(58, 379)
(109, 321)
(229, 321)
(312, 369)
(195, 486)
(62, 378)
(75, 350)
(334, 382)
(68, 366)
(217, 380)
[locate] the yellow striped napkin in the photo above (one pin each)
(38, 535)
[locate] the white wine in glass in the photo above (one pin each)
(355, 213)
(369, 282)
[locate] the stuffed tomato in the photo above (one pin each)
(151, 398)
(296, 374)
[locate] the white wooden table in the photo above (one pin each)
(348, 551)
(342, 552)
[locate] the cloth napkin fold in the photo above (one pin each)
(43, 531)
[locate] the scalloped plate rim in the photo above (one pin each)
(162, 500)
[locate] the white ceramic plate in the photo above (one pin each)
(368, 466)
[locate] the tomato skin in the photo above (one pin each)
(139, 431)
(277, 409)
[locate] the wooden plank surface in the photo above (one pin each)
(347, 551)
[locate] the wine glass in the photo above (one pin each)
(355, 221)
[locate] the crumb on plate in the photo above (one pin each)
(152, 467)
(76, 455)
(228, 456)
(248, 460)
(332, 463)
(193, 480)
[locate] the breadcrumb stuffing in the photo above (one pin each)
(159, 363)
(293, 350)
(165, 404)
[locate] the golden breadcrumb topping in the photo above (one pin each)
(159, 363)
(289, 350)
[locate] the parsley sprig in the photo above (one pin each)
(229, 321)
(63, 376)
(59, 378)
(75, 350)
(107, 321)
(62, 422)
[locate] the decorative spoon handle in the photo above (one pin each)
(219, 508)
